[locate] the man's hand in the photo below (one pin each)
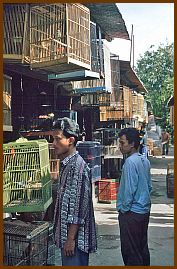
(69, 247)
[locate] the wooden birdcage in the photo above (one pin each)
(52, 37)
(15, 32)
(115, 79)
(59, 35)
(95, 99)
(134, 104)
(122, 109)
(140, 102)
(109, 113)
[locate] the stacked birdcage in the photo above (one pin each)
(25, 243)
(26, 176)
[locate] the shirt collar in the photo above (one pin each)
(67, 159)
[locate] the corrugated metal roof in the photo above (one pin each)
(110, 20)
(129, 78)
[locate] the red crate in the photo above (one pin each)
(108, 189)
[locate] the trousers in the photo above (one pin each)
(79, 259)
(133, 237)
(165, 148)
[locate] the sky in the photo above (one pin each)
(153, 24)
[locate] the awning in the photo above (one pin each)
(129, 78)
(74, 76)
(90, 90)
(110, 20)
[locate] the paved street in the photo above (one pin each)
(161, 227)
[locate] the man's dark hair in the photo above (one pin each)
(69, 128)
(132, 135)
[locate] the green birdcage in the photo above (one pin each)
(26, 176)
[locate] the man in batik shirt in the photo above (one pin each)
(74, 222)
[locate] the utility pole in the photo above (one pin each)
(133, 51)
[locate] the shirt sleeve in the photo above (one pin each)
(80, 196)
(130, 185)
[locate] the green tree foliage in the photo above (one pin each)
(156, 70)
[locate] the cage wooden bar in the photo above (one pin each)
(7, 94)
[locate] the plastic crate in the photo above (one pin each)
(26, 176)
(25, 243)
(107, 190)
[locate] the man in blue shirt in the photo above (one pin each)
(133, 201)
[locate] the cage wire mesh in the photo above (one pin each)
(25, 243)
(26, 176)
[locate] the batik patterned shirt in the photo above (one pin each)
(74, 204)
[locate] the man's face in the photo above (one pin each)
(61, 143)
(124, 146)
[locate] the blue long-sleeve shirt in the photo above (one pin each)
(135, 185)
